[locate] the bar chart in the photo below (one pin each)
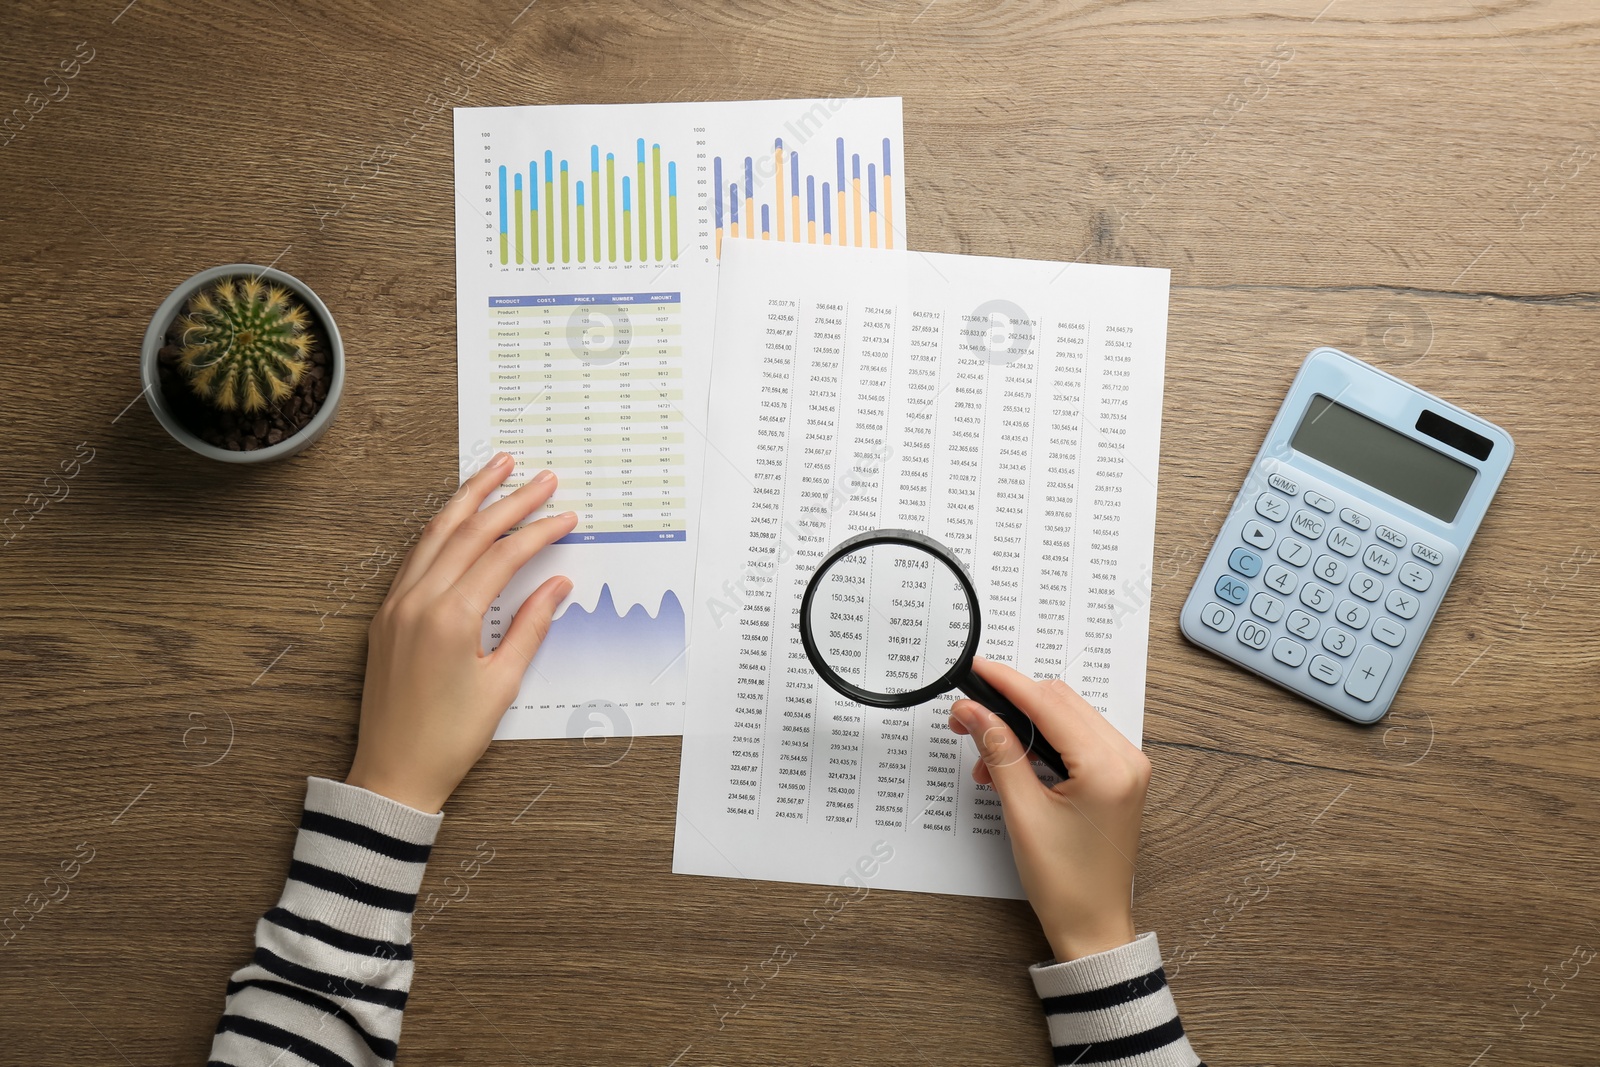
(610, 213)
(848, 208)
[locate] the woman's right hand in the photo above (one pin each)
(1075, 843)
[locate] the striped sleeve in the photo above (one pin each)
(1114, 1009)
(332, 964)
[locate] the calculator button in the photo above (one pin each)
(1393, 537)
(1294, 551)
(1318, 501)
(1245, 562)
(1388, 631)
(1427, 553)
(1232, 589)
(1257, 534)
(1286, 651)
(1280, 580)
(1324, 669)
(1330, 569)
(1253, 634)
(1282, 484)
(1217, 617)
(1307, 525)
(1339, 642)
(1368, 672)
(1266, 606)
(1366, 587)
(1401, 603)
(1302, 625)
(1418, 578)
(1354, 518)
(1351, 614)
(1343, 541)
(1316, 597)
(1379, 559)
(1272, 507)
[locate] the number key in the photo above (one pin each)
(1351, 614)
(1266, 606)
(1217, 617)
(1307, 525)
(1273, 508)
(1366, 587)
(1339, 642)
(1294, 552)
(1253, 634)
(1316, 597)
(1329, 570)
(1302, 625)
(1257, 534)
(1280, 580)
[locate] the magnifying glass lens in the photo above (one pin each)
(890, 618)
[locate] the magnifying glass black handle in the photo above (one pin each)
(1014, 717)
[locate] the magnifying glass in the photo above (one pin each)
(890, 619)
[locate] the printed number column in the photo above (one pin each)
(819, 430)
(887, 733)
(1009, 448)
(1061, 423)
(1110, 394)
(757, 637)
(791, 707)
(936, 755)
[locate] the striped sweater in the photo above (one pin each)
(332, 965)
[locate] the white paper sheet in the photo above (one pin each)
(586, 250)
(1012, 410)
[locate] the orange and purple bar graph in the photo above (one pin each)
(856, 209)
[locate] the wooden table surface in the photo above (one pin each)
(181, 643)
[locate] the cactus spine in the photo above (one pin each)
(243, 343)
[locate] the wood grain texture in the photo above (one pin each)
(1414, 182)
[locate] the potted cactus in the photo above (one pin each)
(243, 364)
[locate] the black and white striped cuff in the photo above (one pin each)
(1113, 1009)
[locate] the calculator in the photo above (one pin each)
(1352, 521)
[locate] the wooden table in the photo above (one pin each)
(182, 643)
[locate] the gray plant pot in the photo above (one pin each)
(156, 335)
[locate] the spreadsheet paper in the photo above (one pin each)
(1012, 410)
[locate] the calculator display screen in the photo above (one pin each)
(1385, 459)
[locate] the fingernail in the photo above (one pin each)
(500, 459)
(544, 476)
(569, 515)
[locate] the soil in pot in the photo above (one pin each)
(246, 431)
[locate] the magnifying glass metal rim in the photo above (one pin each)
(945, 682)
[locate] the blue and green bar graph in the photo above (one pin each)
(593, 219)
(856, 209)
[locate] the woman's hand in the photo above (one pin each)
(1075, 843)
(433, 698)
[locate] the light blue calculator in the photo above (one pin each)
(1351, 523)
